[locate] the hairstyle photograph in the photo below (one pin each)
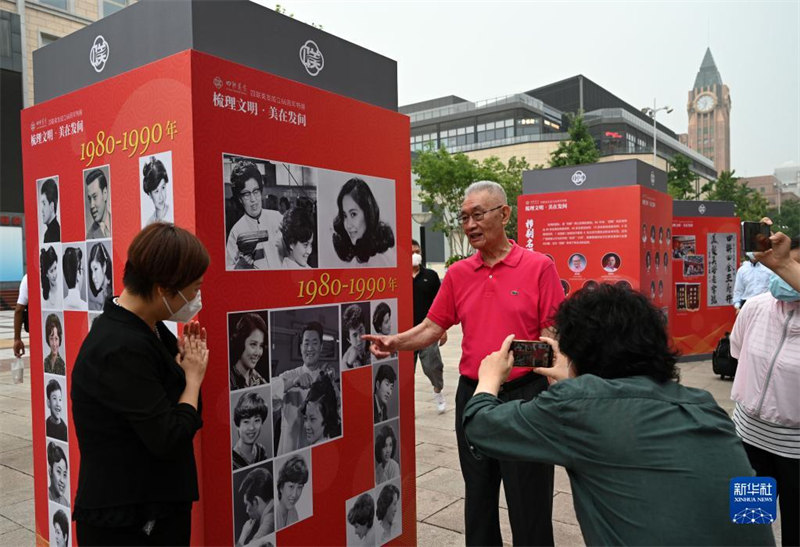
(385, 499)
(97, 202)
(48, 257)
(49, 226)
(70, 265)
(374, 236)
(379, 318)
(101, 274)
(355, 322)
(156, 197)
(323, 395)
(385, 390)
(385, 432)
(295, 469)
(60, 529)
(299, 231)
(243, 345)
(251, 443)
(360, 515)
(257, 481)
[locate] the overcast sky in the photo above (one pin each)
(637, 50)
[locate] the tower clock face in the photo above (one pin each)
(704, 103)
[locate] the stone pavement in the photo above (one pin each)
(440, 488)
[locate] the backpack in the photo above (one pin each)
(721, 360)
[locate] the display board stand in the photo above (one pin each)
(280, 146)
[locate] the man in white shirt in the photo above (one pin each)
(752, 279)
(20, 317)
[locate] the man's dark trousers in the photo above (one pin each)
(528, 486)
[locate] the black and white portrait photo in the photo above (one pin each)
(294, 492)
(248, 358)
(360, 516)
(358, 225)
(55, 407)
(254, 505)
(387, 451)
(356, 319)
(384, 391)
(270, 214)
(388, 511)
(156, 201)
(306, 388)
(73, 266)
(251, 426)
(97, 202)
(384, 316)
(92, 317)
(58, 473)
(60, 526)
(101, 273)
(49, 223)
(53, 342)
(50, 276)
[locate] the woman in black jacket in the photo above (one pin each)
(135, 398)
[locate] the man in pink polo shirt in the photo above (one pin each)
(500, 290)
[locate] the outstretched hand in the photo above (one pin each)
(381, 346)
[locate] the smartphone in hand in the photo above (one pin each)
(755, 237)
(532, 353)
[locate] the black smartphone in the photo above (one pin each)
(532, 353)
(755, 237)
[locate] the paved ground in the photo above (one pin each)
(440, 490)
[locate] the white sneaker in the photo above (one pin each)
(441, 406)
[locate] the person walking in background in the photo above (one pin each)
(21, 317)
(752, 279)
(500, 289)
(426, 287)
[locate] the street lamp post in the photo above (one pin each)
(652, 113)
(422, 219)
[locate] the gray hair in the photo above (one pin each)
(489, 186)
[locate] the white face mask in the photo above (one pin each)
(187, 311)
(416, 259)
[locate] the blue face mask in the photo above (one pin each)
(781, 290)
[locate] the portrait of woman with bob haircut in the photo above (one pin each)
(247, 345)
(135, 392)
(58, 473)
(358, 233)
(321, 420)
(354, 325)
(382, 319)
(292, 479)
(388, 502)
(72, 266)
(249, 416)
(101, 275)
(361, 517)
(154, 183)
(60, 536)
(48, 266)
(386, 466)
(298, 229)
(53, 363)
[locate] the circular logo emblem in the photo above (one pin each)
(702, 209)
(578, 178)
(98, 53)
(312, 58)
(218, 82)
(33, 126)
(652, 178)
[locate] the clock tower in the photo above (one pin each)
(709, 110)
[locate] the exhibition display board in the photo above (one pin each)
(601, 223)
(301, 196)
(705, 257)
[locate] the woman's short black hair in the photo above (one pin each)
(246, 324)
(243, 171)
(614, 332)
(381, 310)
(47, 257)
(53, 322)
(362, 512)
(378, 236)
(55, 454)
(294, 470)
(60, 519)
(70, 264)
(385, 432)
(165, 255)
(153, 173)
(249, 405)
(322, 394)
(99, 254)
(385, 499)
(298, 226)
(258, 482)
(353, 317)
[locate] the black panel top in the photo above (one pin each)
(594, 175)
(236, 30)
(703, 209)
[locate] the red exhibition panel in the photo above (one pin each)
(202, 120)
(705, 259)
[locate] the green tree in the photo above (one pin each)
(680, 179)
(749, 204)
(788, 220)
(580, 148)
(280, 9)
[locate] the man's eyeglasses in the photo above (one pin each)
(254, 194)
(477, 216)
